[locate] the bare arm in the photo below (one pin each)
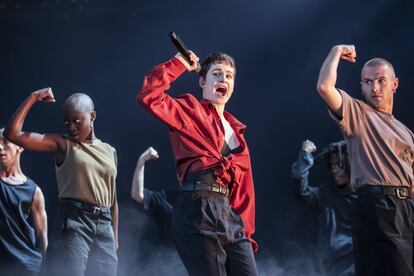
(30, 140)
(328, 74)
(115, 220)
(137, 187)
(39, 216)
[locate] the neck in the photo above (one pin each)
(91, 136)
(387, 109)
(219, 109)
(10, 170)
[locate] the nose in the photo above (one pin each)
(375, 86)
(70, 127)
(222, 78)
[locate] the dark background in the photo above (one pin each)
(105, 47)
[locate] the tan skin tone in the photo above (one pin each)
(137, 187)
(11, 173)
(378, 83)
(78, 120)
(218, 85)
(217, 88)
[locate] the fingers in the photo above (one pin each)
(193, 58)
(149, 154)
(45, 95)
(153, 153)
(308, 146)
(348, 53)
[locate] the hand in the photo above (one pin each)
(149, 154)
(308, 146)
(348, 52)
(193, 58)
(44, 95)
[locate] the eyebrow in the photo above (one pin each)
(226, 71)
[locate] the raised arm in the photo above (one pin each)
(137, 187)
(300, 174)
(153, 96)
(30, 140)
(39, 217)
(328, 74)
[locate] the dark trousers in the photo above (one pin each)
(209, 236)
(383, 235)
(15, 270)
(88, 243)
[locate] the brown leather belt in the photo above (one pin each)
(202, 186)
(398, 191)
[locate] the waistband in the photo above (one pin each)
(398, 191)
(95, 210)
(202, 186)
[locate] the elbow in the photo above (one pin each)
(137, 197)
(322, 88)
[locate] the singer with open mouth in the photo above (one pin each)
(214, 217)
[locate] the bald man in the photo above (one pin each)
(86, 170)
(381, 157)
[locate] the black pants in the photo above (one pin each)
(209, 236)
(15, 270)
(383, 235)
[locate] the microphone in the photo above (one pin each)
(175, 39)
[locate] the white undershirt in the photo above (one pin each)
(229, 135)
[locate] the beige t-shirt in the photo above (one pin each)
(88, 173)
(380, 148)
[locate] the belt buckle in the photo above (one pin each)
(215, 188)
(96, 211)
(401, 193)
(224, 190)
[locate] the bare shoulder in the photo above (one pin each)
(38, 199)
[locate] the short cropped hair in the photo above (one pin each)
(378, 62)
(214, 58)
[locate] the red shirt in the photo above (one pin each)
(197, 137)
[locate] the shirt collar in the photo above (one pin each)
(236, 124)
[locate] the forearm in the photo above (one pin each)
(153, 96)
(115, 217)
(300, 176)
(13, 130)
(137, 187)
(43, 242)
(39, 217)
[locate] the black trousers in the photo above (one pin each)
(209, 236)
(383, 229)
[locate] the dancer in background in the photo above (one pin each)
(333, 201)
(23, 220)
(155, 202)
(85, 173)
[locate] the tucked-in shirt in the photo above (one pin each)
(380, 148)
(17, 232)
(88, 173)
(197, 138)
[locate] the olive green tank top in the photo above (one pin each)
(88, 173)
